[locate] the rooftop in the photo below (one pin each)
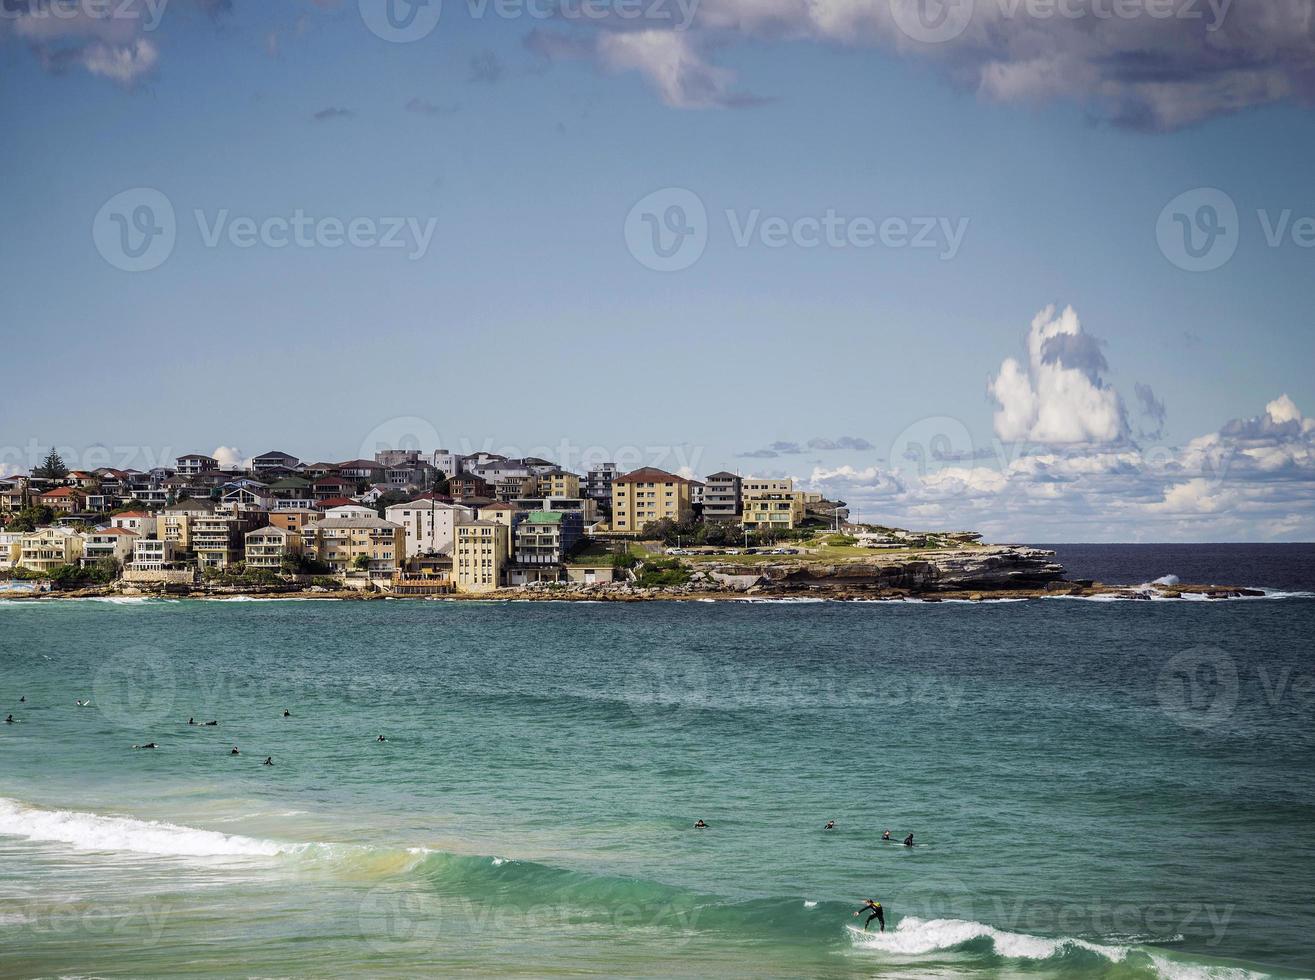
(650, 474)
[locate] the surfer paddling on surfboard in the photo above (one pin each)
(877, 913)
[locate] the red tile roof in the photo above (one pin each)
(650, 474)
(133, 513)
(337, 502)
(63, 492)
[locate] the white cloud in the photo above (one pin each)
(229, 457)
(1059, 396)
(672, 65)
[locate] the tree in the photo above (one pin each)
(361, 563)
(53, 468)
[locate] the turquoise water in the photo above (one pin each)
(1098, 789)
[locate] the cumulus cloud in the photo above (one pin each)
(1058, 396)
(1253, 479)
(228, 457)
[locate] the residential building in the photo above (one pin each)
(153, 554)
(10, 547)
(194, 464)
(388, 458)
(696, 493)
(326, 487)
(759, 484)
(14, 493)
(340, 541)
(294, 519)
(63, 500)
(361, 470)
(48, 548)
(545, 537)
(273, 460)
(266, 547)
(219, 539)
(510, 487)
(500, 512)
(772, 509)
(429, 522)
(559, 483)
(174, 522)
(449, 464)
(467, 485)
(479, 555)
(114, 543)
(598, 482)
(646, 495)
(139, 522)
(352, 509)
(721, 497)
(246, 495)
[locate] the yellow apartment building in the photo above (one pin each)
(479, 555)
(646, 495)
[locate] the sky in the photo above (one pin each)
(1040, 268)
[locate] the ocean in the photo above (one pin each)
(1098, 789)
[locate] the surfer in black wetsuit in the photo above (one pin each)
(287, 713)
(886, 835)
(830, 825)
(269, 761)
(9, 719)
(877, 913)
(700, 825)
(908, 841)
(235, 751)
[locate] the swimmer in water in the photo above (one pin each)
(191, 721)
(886, 835)
(148, 745)
(269, 761)
(381, 739)
(908, 841)
(287, 713)
(700, 825)
(9, 719)
(235, 751)
(830, 825)
(211, 724)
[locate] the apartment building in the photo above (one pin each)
(479, 555)
(174, 522)
(545, 537)
(219, 538)
(646, 495)
(721, 497)
(266, 547)
(194, 464)
(429, 522)
(48, 548)
(340, 541)
(114, 543)
(559, 484)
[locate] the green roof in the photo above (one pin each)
(545, 517)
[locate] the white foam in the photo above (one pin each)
(809, 905)
(1173, 970)
(1167, 580)
(914, 936)
(95, 832)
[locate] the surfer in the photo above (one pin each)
(886, 835)
(211, 724)
(191, 721)
(235, 751)
(830, 825)
(9, 719)
(877, 913)
(23, 699)
(908, 841)
(700, 825)
(269, 761)
(381, 738)
(287, 713)
(148, 745)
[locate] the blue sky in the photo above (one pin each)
(526, 321)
